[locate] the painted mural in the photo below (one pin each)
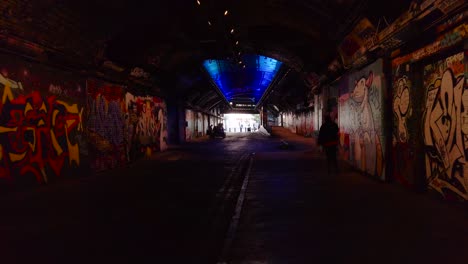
(146, 125)
(190, 119)
(403, 138)
(41, 123)
(106, 125)
(301, 123)
(361, 119)
(445, 127)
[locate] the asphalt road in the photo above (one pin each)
(178, 206)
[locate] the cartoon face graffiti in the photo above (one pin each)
(401, 108)
(361, 95)
(360, 89)
(366, 141)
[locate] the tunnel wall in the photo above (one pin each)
(361, 117)
(55, 123)
(42, 136)
(146, 125)
(430, 138)
(196, 124)
(105, 125)
(406, 131)
(445, 129)
(300, 123)
(190, 119)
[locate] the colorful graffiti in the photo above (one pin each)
(40, 131)
(403, 139)
(146, 125)
(105, 125)
(445, 128)
(401, 108)
(450, 39)
(361, 117)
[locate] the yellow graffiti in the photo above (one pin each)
(16, 157)
(27, 108)
(54, 116)
(40, 123)
(43, 108)
(70, 122)
(73, 108)
(55, 143)
(7, 93)
(7, 129)
(73, 150)
(148, 152)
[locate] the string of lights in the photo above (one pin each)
(223, 19)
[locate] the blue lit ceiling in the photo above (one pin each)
(240, 84)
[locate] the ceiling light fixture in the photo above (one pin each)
(226, 12)
(209, 23)
(232, 30)
(240, 62)
(198, 2)
(239, 53)
(237, 42)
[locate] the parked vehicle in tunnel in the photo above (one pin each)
(218, 131)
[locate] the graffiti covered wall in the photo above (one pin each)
(361, 119)
(301, 124)
(406, 125)
(190, 119)
(105, 125)
(146, 125)
(41, 122)
(289, 121)
(445, 126)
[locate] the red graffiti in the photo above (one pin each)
(35, 132)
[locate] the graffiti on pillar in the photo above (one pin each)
(105, 125)
(361, 119)
(402, 140)
(145, 125)
(445, 128)
(401, 108)
(190, 120)
(40, 132)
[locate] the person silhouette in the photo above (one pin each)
(328, 140)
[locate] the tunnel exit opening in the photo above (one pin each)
(241, 123)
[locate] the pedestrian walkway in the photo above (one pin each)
(294, 213)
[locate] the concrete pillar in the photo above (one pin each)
(175, 122)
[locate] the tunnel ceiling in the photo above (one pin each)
(243, 81)
(171, 39)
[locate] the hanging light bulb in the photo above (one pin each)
(237, 42)
(232, 30)
(198, 2)
(226, 12)
(209, 23)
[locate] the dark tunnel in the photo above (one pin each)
(233, 131)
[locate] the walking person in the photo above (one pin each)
(328, 140)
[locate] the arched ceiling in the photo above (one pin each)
(171, 39)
